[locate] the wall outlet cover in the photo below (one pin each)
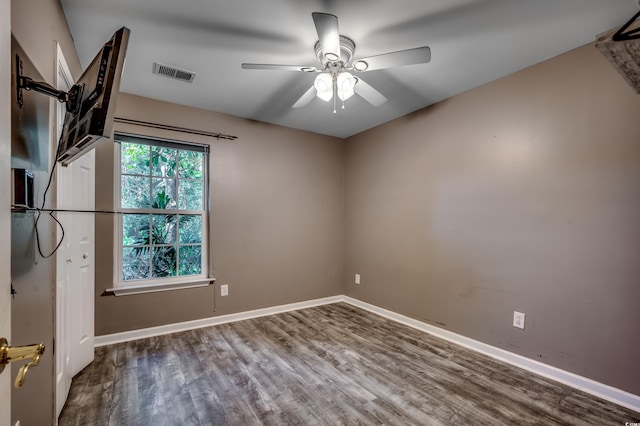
(518, 319)
(224, 290)
(357, 278)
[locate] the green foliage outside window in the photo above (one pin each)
(162, 192)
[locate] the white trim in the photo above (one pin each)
(117, 260)
(606, 392)
(155, 287)
(126, 336)
(575, 381)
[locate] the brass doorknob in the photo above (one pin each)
(10, 354)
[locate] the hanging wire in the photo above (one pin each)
(51, 212)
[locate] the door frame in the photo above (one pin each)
(62, 379)
(6, 99)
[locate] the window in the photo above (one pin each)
(162, 228)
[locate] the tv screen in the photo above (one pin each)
(89, 119)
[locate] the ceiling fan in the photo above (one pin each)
(335, 53)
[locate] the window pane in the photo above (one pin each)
(164, 229)
(164, 261)
(164, 193)
(190, 229)
(190, 195)
(135, 192)
(135, 229)
(134, 158)
(190, 165)
(135, 263)
(190, 260)
(163, 161)
(161, 243)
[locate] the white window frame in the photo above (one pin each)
(122, 287)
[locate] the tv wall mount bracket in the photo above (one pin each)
(71, 98)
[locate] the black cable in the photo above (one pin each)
(38, 237)
(39, 211)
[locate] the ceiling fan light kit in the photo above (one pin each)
(345, 83)
(324, 87)
(334, 52)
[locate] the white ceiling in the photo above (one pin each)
(472, 42)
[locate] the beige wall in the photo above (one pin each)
(36, 25)
(523, 194)
(277, 219)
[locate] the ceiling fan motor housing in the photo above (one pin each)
(347, 48)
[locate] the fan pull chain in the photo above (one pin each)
(335, 92)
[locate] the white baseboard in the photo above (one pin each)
(584, 384)
(127, 336)
(590, 386)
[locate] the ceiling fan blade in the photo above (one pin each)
(368, 93)
(328, 34)
(419, 55)
(306, 98)
(277, 67)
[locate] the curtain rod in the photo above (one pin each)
(175, 128)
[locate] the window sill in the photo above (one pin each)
(129, 289)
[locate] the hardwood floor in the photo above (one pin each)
(328, 365)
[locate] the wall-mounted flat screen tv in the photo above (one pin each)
(95, 92)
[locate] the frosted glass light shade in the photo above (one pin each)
(324, 87)
(346, 84)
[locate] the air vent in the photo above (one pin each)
(178, 74)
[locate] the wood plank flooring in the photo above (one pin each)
(328, 365)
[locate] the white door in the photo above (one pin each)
(74, 260)
(75, 274)
(80, 287)
(5, 219)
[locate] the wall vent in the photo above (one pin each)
(172, 72)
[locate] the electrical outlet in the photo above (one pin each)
(518, 319)
(357, 278)
(224, 290)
